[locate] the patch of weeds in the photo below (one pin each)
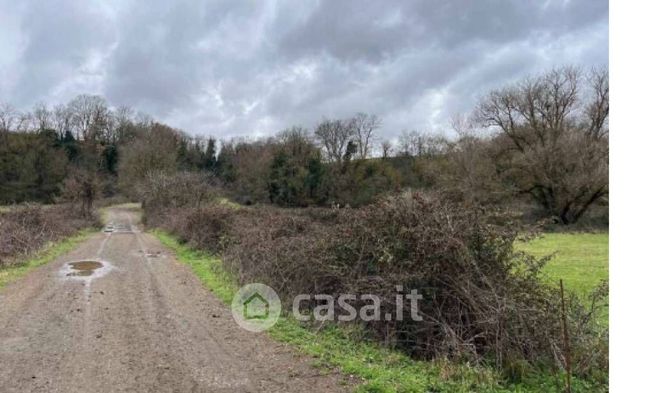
(225, 201)
(48, 253)
(380, 370)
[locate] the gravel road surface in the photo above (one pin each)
(137, 322)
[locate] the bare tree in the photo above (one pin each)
(334, 137)
(124, 119)
(598, 109)
(24, 122)
(110, 132)
(160, 189)
(410, 143)
(386, 147)
(143, 120)
(551, 146)
(62, 119)
(8, 117)
(364, 126)
(42, 116)
(469, 167)
(124, 115)
(421, 144)
(155, 149)
(81, 187)
(89, 116)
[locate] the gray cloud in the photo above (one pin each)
(57, 43)
(230, 68)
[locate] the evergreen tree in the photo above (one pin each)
(210, 156)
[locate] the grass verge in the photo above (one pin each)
(380, 369)
(48, 253)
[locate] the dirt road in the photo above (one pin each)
(141, 322)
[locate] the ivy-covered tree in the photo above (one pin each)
(297, 172)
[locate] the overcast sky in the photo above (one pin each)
(228, 68)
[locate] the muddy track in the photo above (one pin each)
(141, 322)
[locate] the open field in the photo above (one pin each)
(580, 259)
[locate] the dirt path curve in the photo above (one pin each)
(141, 323)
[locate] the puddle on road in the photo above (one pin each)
(83, 268)
(152, 254)
(118, 228)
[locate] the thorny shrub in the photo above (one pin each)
(159, 191)
(26, 228)
(482, 300)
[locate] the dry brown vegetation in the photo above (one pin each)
(483, 301)
(27, 228)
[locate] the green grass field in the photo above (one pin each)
(581, 260)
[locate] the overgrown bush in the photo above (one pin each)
(80, 188)
(158, 190)
(482, 300)
(205, 228)
(26, 228)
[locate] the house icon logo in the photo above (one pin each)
(256, 307)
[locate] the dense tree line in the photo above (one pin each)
(543, 140)
(76, 151)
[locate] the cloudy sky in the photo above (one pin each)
(228, 68)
